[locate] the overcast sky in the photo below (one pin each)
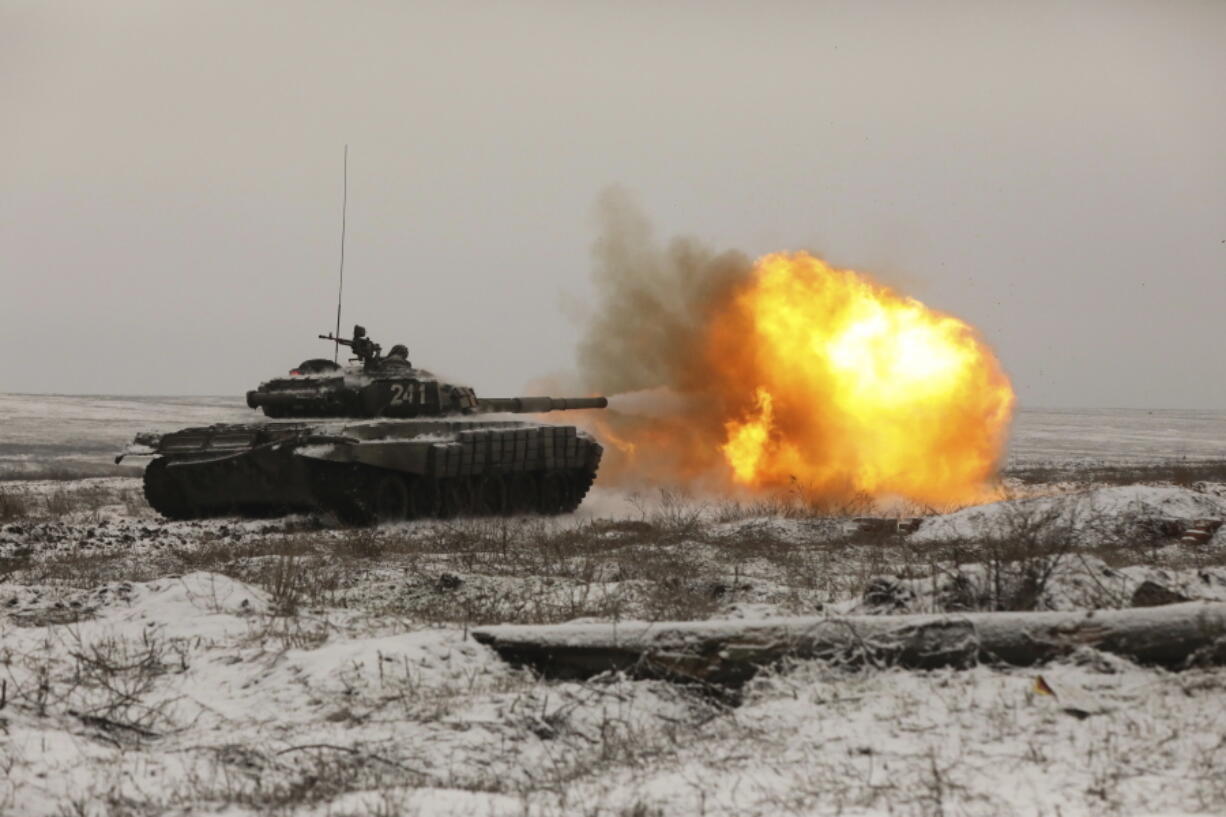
(170, 178)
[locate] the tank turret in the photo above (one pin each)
(390, 386)
(386, 441)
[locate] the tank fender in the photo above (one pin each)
(405, 456)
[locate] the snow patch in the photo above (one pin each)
(1087, 515)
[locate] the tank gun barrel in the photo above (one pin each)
(539, 405)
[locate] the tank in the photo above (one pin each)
(376, 440)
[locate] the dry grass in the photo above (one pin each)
(679, 560)
(87, 569)
(105, 683)
(18, 502)
(1008, 570)
(68, 472)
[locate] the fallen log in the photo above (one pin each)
(730, 652)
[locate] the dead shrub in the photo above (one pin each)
(292, 580)
(361, 543)
(116, 676)
(108, 686)
(287, 583)
(1011, 568)
(677, 515)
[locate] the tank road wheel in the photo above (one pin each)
(353, 509)
(451, 498)
(391, 498)
(164, 493)
(423, 498)
(553, 494)
(210, 483)
(491, 495)
(342, 490)
(521, 493)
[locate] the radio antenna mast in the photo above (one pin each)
(340, 290)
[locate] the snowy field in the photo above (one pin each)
(1110, 436)
(234, 667)
(67, 436)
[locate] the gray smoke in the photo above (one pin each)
(652, 302)
(658, 402)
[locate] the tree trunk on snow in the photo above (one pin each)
(732, 651)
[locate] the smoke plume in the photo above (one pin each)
(644, 346)
(654, 302)
(783, 373)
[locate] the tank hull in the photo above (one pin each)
(370, 471)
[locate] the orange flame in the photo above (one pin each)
(747, 441)
(604, 430)
(802, 376)
(855, 388)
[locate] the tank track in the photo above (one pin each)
(363, 495)
(205, 489)
(163, 493)
(357, 494)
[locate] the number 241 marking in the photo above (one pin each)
(400, 394)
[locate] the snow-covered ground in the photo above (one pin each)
(289, 666)
(187, 695)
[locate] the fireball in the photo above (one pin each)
(795, 376)
(843, 387)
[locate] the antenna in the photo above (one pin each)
(340, 290)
